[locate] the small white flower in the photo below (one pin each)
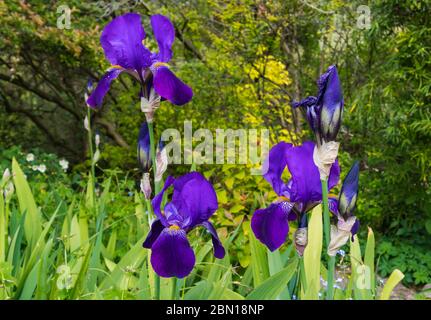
(339, 280)
(64, 164)
(34, 168)
(41, 168)
(30, 157)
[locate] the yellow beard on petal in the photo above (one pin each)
(174, 227)
(161, 64)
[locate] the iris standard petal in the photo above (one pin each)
(194, 197)
(270, 225)
(96, 98)
(171, 254)
(275, 165)
(306, 186)
(156, 228)
(157, 201)
(219, 251)
(168, 86)
(122, 42)
(164, 32)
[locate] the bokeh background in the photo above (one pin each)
(246, 60)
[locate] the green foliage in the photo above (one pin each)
(413, 260)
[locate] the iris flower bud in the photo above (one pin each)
(349, 192)
(144, 157)
(331, 104)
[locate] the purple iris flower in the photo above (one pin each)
(344, 207)
(193, 202)
(122, 43)
(324, 111)
(303, 191)
(144, 158)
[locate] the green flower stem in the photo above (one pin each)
(156, 190)
(174, 289)
(327, 232)
(90, 145)
(303, 278)
(331, 270)
(153, 155)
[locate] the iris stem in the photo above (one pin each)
(153, 155)
(90, 146)
(156, 190)
(303, 278)
(331, 269)
(174, 289)
(327, 231)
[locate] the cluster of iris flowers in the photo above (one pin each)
(194, 199)
(313, 166)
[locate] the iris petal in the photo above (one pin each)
(122, 42)
(219, 251)
(171, 254)
(157, 201)
(156, 228)
(168, 86)
(164, 33)
(194, 197)
(306, 185)
(275, 165)
(96, 98)
(270, 225)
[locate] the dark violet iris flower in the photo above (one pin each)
(324, 111)
(344, 207)
(122, 43)
(303, 191)
(193, 202)
(144, 158)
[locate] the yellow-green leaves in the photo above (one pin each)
(27, 205)
(312, 255)
(393, 280)
(271, 288)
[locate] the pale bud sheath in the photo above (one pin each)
(146, 186)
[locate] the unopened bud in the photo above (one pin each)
(86, 123)
(97, 140)
(96, 156)
(161, 163)
(146, 185)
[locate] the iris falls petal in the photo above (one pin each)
(219, 251)
(270, 225)
(96, 98)
(171, 254)
(168, 86)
